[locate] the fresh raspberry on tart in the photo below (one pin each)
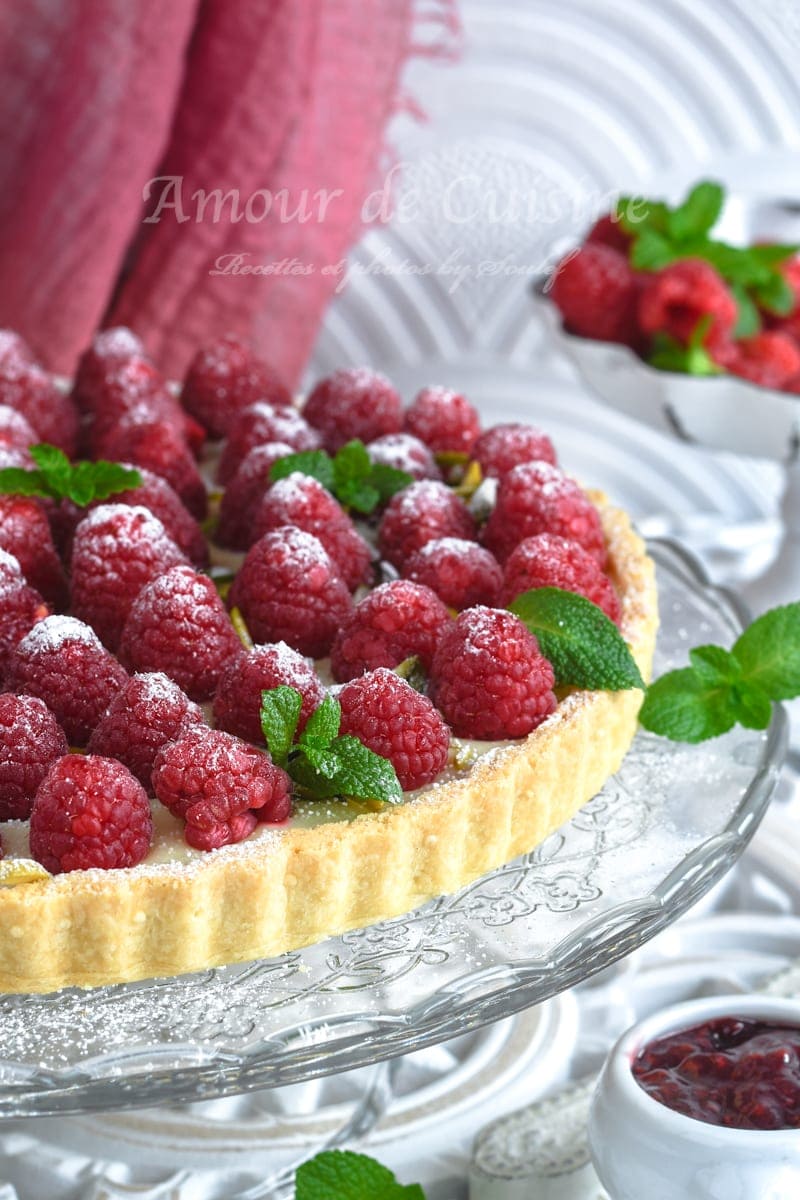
(419, 513)
(220, 787)
(243, 494)
(461, 573)
(353, 403)
(63, 662)
(31, 740)
(404, 452)
(385, 713)
(259, 424)
(488, 677)
(444, 420)
(133, 387)
(25, 534)
(148, 712)
(14, 348)
(504, 447)
(179, 625)
(289, 589)
(395, 621)
(16, 431)
(225, 377)
(90, 812)
(237, 700)
(109, 349)
(547, 560)
(117, 549)
(26, 387)
(302, 501)
(21, 607)
(536, 497)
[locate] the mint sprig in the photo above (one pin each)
(323, 762)
(350, 475)
(722, 688)
(662, 235)
(668, 354)
(56, 478)
(344, 1175)
(584, 646)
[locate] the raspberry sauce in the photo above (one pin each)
(740, 1073)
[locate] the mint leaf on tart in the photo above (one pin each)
(56, 478)
(583, 644)
(351, 476)
(320, 761)
(723, 688)
(344, 1175)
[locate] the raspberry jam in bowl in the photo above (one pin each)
(702, 1101)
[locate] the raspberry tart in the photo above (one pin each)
(338, 720)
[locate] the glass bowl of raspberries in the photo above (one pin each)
(677, 326)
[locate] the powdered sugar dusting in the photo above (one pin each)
(53, 632)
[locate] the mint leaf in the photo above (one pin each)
(698, 213)
(751, 706)
(772, 253)
(363, 773)
(583, 644)
(685, 707)
(769, 652)
(715, 665)
(344, 1175)
(351, 476)
(776, 295)
(651, 251)
(635, 214)
(17, 481)
(315, 740)
(58, 479)
(280, 712)
(316, 463)
(748, 320)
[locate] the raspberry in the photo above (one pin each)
(117, 549)
(418, 514)
(262, 423)
(770, 359)
(220, 787)
(225, 377)
(237, 701)
(179, 625)
(790, 269)
(31, 739)
(302, 501)
(146, 714)
(16, 431)
(607, 231)
(505, 446)
(110, 348)
(63, 662)
(127, 386)
(154, 494)
(596, 292)
(547, 560)
(387, 715)
(243, 494)
(392, 622)
(444, 420)
(406, 453)
(90, 812)
(354, 403)
(21, 607)
(536, 497)
(489, 678)
(25, 533)
(30, 390)
(675, 299)
(159, 446)
(461, 573)
(289, 590)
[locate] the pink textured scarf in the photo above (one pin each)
(189, 168)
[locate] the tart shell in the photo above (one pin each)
(294, 886)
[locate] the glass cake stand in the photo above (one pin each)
(666, 827)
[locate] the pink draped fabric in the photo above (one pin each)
(273, 110)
